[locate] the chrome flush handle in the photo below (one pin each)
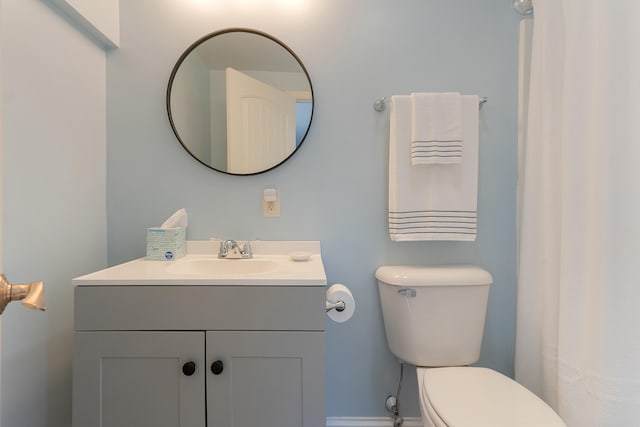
(407, 292)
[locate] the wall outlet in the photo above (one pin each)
(270, 203)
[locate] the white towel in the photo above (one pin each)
(436, 128)
(438, 202)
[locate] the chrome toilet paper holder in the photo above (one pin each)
(337, 306)
(339, 303)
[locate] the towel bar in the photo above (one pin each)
(381, 103)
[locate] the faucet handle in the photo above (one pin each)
(246, 250)
(225, 245)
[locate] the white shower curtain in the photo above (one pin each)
(578, 330)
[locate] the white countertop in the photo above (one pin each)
(287, 272)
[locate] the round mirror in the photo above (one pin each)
(240, 101)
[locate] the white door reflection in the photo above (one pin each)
(261, 124)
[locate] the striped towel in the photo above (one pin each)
(436, 128)
(438, 202)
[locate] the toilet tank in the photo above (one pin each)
(434, 316)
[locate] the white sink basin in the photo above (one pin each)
(210, 266)
(274, 263)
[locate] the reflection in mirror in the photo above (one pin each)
(240, 101)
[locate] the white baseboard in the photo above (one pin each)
(371, 422)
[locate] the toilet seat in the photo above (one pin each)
(480, 397)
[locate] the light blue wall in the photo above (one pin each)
(54, 208)
(335, 187)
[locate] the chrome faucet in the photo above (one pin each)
(230, 249)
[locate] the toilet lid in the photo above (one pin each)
(480, 397)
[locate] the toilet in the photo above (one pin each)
(434, 319)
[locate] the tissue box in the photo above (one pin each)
(166, 244)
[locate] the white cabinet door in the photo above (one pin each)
(138, 379)
(268, 379)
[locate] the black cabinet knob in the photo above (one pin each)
(189, 368)
(217, 367)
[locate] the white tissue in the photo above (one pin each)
(178, 219)
(337, 293)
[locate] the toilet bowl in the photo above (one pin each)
(434, 319)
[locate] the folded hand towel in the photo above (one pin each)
(436, 128)
(438, 202)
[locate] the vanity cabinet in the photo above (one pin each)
(196, 356)
(135, 379)
(269, 379)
